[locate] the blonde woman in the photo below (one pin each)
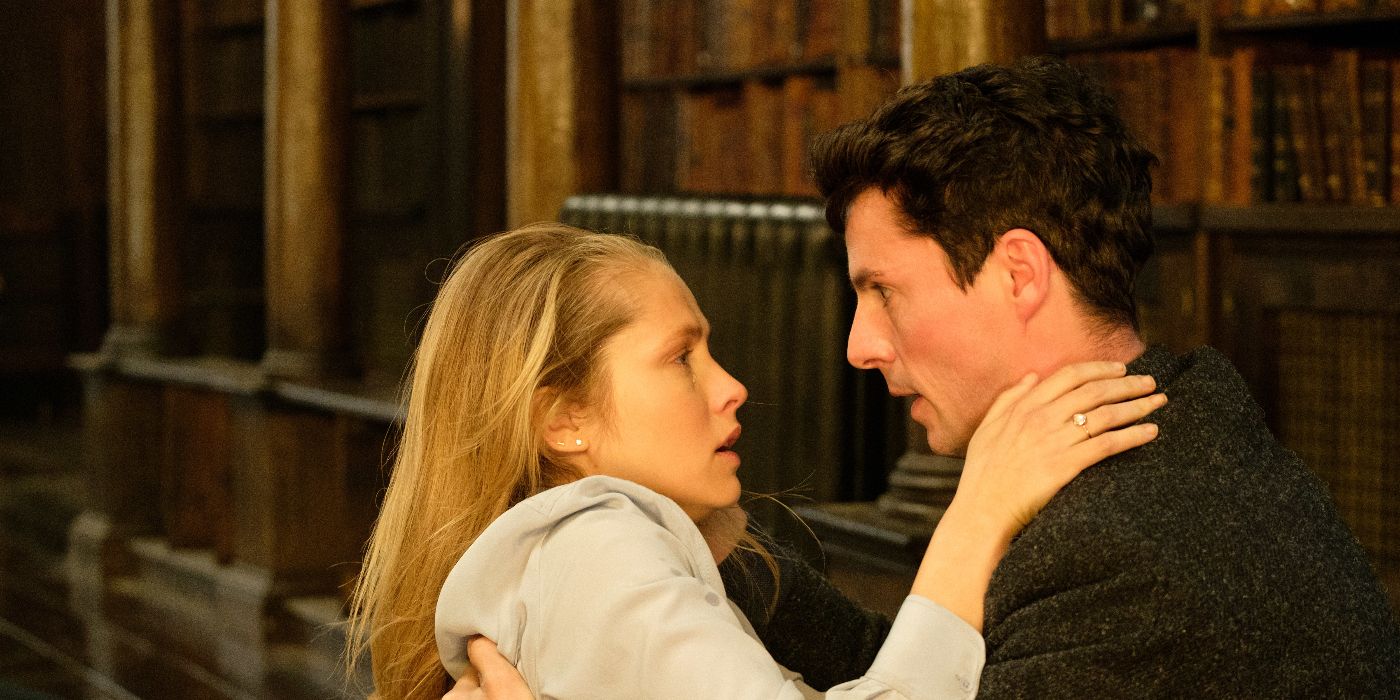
(568, 430)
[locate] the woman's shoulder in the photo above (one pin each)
(595, 534)
(602, 516)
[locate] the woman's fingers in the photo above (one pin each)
(490, 677)
(1008, 398)
(1103, 392)
(1073, 377)
(1077, 412)
(1114, 415)
(1089, 452)
(1038, 435)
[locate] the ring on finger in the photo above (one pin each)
(1082, 421)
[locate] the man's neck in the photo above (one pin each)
(1121, 344)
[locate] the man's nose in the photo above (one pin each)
(868, 347)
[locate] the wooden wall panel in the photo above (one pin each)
(123, 428)
(1311, 323)
(290, 496)
(195, 470)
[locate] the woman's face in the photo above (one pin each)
(670, 418)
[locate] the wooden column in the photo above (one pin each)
(561, 71)
(943, 36)
(143, 180)
(307, 187)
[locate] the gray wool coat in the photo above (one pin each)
(1208, 563)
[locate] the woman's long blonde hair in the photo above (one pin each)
(525, 310)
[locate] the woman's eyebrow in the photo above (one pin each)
(689, 333)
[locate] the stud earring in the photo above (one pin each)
(578, 443)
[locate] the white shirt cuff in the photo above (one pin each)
(930, 650)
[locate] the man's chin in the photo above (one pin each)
(940, 444)
(956, 451)
(921, 411)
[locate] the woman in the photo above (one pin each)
(567, 428)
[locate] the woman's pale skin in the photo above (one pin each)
(669, 423)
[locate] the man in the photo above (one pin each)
(995, 220)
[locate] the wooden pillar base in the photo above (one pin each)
(921, 487)
(93, 558)
(168, 623)
(123, 431)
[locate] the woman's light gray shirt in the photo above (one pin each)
(602, 588)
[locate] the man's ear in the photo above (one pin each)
(561, 422)
(1028, 266)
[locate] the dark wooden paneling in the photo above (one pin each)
(1311, 322)
(123, 427)
(221, 243)
(195, 470)
(290, 496)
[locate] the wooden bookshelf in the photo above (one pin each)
(1145, 36)
(821, 67)
(725, 96)
(1278, 219)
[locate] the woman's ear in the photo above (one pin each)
(561, 422)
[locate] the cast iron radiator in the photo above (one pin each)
(771, 278)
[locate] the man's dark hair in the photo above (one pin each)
(970, 155)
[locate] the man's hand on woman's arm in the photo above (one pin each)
(490, 677)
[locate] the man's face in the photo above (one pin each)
(928, 337)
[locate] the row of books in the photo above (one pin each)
(746, 139)
(1068, 20)
(686, 37)
(1262, 125)
(1275, 8)
(1157, 92)
(1294, 127)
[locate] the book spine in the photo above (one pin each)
(797, 105)
(636, 38)
(819, 28)
(1375, 124)
(1340, 5)
(1262, 137)
(1180, 121)
(1305, 128)
(1239, 157)
(1217, 138)
(1395, 131)
(1055, 29)
(763, 127)
(885, 28)
(1287, 173)
(1347, 64)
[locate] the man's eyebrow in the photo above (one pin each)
(860, 279)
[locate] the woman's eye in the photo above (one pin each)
(683, 358)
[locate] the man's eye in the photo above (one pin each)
(883, 291)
